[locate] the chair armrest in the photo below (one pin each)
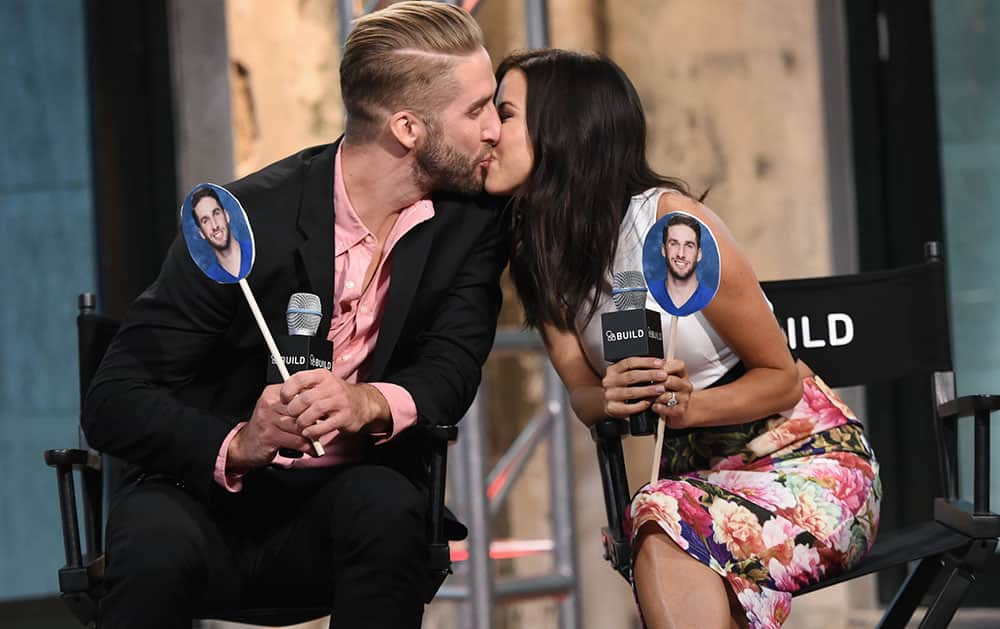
(439, 561)
(75, 575)
(607, 436)
(439, 437)
(979, 407)
(969, 406)
(73, 456)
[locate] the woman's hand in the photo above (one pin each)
(631, 385)
(672, 405)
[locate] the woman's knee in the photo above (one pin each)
(652, 543)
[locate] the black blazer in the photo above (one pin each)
(189, 361)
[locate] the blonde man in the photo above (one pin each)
(387, 227)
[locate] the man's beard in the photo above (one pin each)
(678, 276)
(224, 246)
(440, 167)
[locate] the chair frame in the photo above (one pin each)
(948, 550)
(81, 578)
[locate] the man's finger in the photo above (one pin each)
(293, 441)
(323, 427)
(301, 381)
(318, 411)
(286, 424)
(301, 402)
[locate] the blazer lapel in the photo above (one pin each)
(316, 224)
(408, 259)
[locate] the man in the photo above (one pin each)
(409, 284)
(682, 251)
(213, 225)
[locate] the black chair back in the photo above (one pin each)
(877, 327)
(867, 328)
(94, 334)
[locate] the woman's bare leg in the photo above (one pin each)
(677, 591)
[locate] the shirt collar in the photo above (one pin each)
(348, 228)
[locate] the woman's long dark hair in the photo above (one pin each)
(588, 133)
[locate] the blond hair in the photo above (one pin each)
(401, 57)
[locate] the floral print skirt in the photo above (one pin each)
(771, 505)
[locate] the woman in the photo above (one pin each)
(767, 480)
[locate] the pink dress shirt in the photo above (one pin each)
(357, 313)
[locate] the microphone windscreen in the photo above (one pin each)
(303, 314)
(628, 290)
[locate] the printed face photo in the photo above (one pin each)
(217, 233)
(681, 250)
(213, 222)
(681, 264)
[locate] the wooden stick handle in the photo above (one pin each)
(654, 473)
(271, 346)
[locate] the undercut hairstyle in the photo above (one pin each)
(201, 193)
(588, 135)
(684, 219)
(402, 57)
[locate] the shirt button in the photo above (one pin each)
(369, 239)
(364, 308)
(345, 358)
(349, 284)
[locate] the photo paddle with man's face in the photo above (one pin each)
(681, 266)
(220, 241)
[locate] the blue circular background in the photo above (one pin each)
(239, 226)
(654, 266)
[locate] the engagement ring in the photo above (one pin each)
(672, 402)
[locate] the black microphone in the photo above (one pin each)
(632, 330)
(300, 348)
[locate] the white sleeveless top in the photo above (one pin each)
(704, 353)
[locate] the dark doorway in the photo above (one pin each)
(133, 144)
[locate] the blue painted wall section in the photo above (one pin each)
(47, 255)
(967, 51)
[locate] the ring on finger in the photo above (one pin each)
(672, 402)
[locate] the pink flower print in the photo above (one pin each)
(688, 505)
(782, 435)
(814, 511)
(852, 461)
(851, 489)
(841, 539)
(819, 403)
(736, 527)
(766, 609)
(833, 398)
(778, 535)
(761, 488)
(661, 508)
(804, 568)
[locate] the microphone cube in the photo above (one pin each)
(300, 353)
(629, 333)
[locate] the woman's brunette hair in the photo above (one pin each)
(588, 134)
